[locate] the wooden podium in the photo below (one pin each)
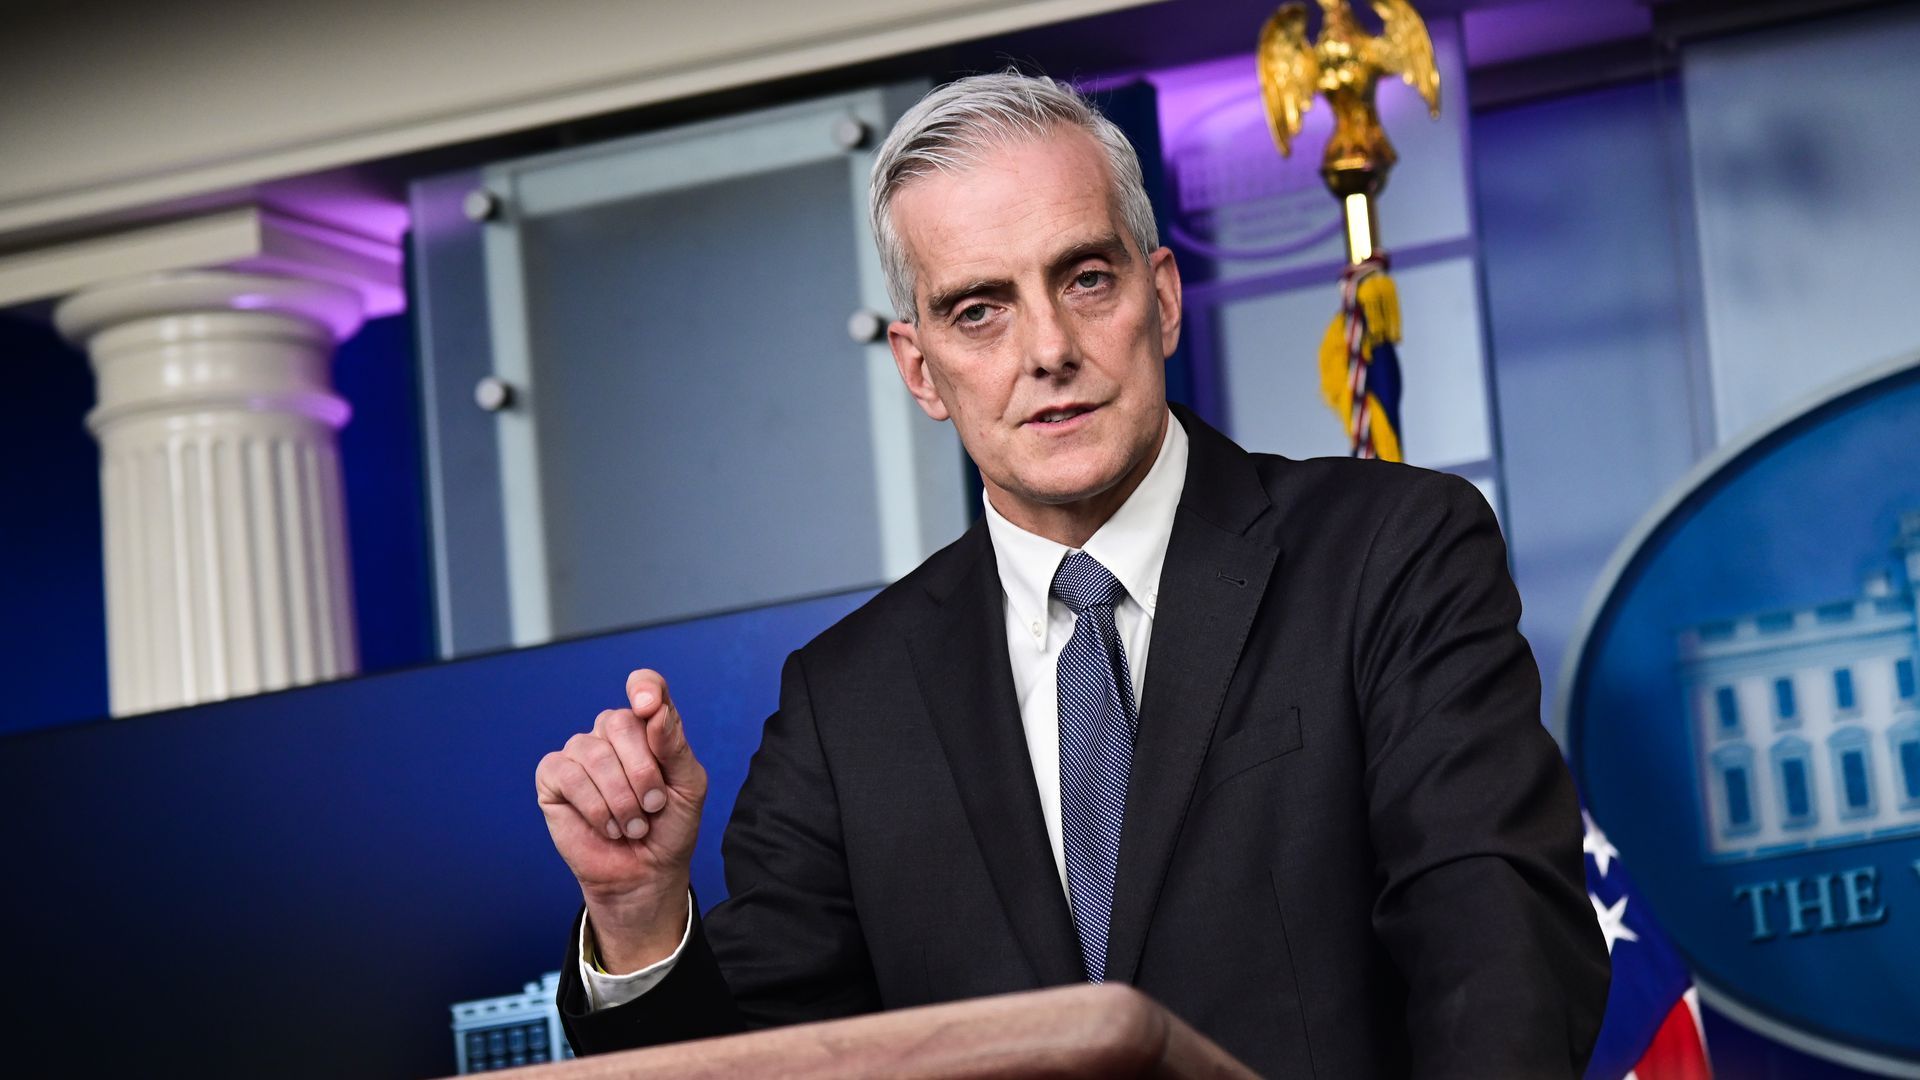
(1077, 1031)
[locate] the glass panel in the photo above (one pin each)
(1793, 778)
(1275, 406)
(463, 452)
(1728, 707)
(1739, 810)
(1843, 688)
(703, 426)
(1853, 769)
(1783, 697)
(1903, 675)
(1754, 202)
(1910, 766)
(686, 412)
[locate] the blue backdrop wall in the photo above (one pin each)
(53, 629)
(53, 636)
(301, 883)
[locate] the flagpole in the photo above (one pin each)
(1359, 359)
(1362, 232)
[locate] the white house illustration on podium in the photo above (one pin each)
(509, 1031)
(1807, 721)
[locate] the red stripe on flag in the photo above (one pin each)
(1675, 1052)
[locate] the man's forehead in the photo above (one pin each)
(1045, 252)
(1013, 205)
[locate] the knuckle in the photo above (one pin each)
(600, 754)
(590, 751)
(586, 799)
(576, 790)
(623, 805)
(643, 774)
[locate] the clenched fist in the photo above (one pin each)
(622, 804)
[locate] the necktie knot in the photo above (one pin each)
(1081, 583)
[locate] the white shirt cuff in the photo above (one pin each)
(607, 991)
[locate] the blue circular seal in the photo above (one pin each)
(1743, 716)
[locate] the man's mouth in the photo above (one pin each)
(1060, 414)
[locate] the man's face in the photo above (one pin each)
(1042, 332)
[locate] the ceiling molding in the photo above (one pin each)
(180, 101)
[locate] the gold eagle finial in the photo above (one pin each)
(1345, 65)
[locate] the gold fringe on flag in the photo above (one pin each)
(1376, 303)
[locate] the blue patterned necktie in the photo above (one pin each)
(1096, 749)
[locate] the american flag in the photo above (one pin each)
(1652, 1029)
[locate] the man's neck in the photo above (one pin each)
(1072, 524)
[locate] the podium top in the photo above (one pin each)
(1079, 1031)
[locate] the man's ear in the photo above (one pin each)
(904, 339)
(1166, 290)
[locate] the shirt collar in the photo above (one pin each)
(1132, 544)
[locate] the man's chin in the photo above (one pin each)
(1060, 491)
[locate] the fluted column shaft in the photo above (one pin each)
(222, 507)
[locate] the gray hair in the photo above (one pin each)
(947, 131)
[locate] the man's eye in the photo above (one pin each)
(1090, 279)
(973, 313)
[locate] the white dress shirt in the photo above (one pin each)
(1132, 545)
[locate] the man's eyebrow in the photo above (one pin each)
(1109, 247)
(942, 302)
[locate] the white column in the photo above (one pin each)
(225, 525)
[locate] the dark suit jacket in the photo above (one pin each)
(1350, 848)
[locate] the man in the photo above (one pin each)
(1257, 736)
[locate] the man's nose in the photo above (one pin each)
(1051, 348)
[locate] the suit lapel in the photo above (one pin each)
(1210, 589)
(960, 660)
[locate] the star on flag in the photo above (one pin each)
(1613, 921)
(1596, 844)
(1652, 1027)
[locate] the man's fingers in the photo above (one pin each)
(623, 731)
(561, 779)
(646, 689)
(666, 737)
(665, 734)
(602, 764)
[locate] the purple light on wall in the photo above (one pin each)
(1234, 196)
(1188, 93)
(1500, 35)
(373, 216)
(359, 213)
(344, 211)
